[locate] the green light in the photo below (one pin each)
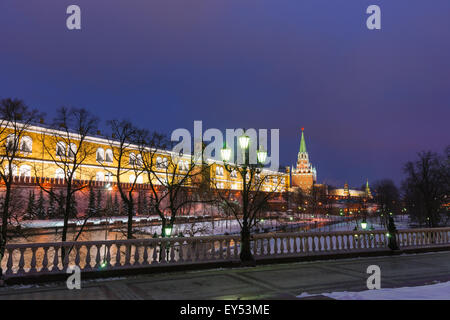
(244, 141)
(225, 153)
(168, 231)
(364, 225)
(262, 155)
(290, 218)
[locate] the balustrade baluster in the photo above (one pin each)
(55, 267)
(118, 263)
(98, 258)
(221, 249)
(155, 253)
(88, 259)
(136, 254)
(9, 263)
(33, 260)
(21, 261)
(45, 260)
(228, 244)
(145, 256)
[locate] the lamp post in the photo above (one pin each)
(243, 170)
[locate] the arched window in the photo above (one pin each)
(165, 163)
(11, 143)
(108, 177)
(14, 170)
(60, 149)
(72, 150)
(132, 159)
(109, 156)
(99, 176)
(26, 145)
(59, 173)
(139, 160)
(25, 171)
(132, 178)
(140, 179)
(275, 180)
(100, 155)
(158, 162)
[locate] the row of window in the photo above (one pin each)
(25, 145)
(220, 172)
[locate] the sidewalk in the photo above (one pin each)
(281, 281)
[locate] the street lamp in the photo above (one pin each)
(225, 153)
(261, 155)
(244, 170)
(168, 231)
(364, 225)
(244, 141)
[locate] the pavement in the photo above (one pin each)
(278, 281)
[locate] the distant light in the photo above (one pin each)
(168, 231)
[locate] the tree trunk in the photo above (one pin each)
(246, 256)
(130, 220)
(4, 227)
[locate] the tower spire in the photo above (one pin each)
(302, 142)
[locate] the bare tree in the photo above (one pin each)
(15, 120)
(123, 142)
(67, 146)
(177, 182)
(427, 186)
(247, 204)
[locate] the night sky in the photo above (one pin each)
(369, 100)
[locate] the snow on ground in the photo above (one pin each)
(439, 291)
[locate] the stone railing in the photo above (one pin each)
(46, 258)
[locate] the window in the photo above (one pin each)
(162, 162)
(233, 173)
(139, 160)
(132, 159)
(275, 180)
(11, 143)
(100, 176)
(132, 178)
(158, 162)
(220, 185)
(219, 171)
(183, 165)
(72, 150)
(25, 171)
(60, 149)
(100, 155)
(59, 173)
(26, 145)
(108, 177)
(140, 180)
(109, 156)
(14, 170)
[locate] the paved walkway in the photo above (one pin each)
(281, 281)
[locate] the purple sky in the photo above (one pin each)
(369, 100)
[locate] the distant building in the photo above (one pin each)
(304, 175)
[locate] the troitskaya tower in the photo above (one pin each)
(304, 175)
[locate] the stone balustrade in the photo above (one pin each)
(47, 258)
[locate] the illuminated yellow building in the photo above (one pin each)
(43, 153)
